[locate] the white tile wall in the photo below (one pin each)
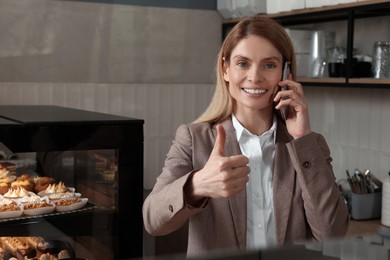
(356, 124)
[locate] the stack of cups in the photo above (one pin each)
(385, 220)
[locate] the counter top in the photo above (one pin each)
(359, 227)
(362, 241)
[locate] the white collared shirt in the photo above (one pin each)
(260, 151)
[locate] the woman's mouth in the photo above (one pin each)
(254, 91)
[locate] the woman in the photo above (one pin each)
(240, 174)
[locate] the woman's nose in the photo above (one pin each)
(254, 74)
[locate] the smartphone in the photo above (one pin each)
(286, 72)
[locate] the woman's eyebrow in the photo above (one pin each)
(272, 58)
(240, 57)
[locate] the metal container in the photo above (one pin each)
(381, 59)
(310, 50)
(366, 206)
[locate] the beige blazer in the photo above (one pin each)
(307, 201)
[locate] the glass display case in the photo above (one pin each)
(73, 181)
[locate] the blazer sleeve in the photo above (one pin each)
(165, 209)
(325, 208)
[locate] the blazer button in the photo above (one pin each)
(306, 164)
(170, 208)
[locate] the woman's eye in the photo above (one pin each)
(242, 64)
(270, 66)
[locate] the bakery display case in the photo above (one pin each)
(71, 184)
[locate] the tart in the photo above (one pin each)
(71, 204)
(4, 187)
(25, 181)
(33, 209)
(55, 189)
(10, 209)
(16, 193)
(41, 183)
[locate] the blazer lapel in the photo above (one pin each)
(238, 202)
(283, 183)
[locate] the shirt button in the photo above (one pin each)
(170, 208)
(306, 164)
(259, 226)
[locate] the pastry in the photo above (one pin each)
(13, 244)
(67, 202)
(41, 183)
(4, 172)
(23, 184)
(7, 169)
(4, 187)
(41, 204)
(5, 183)
(56, 188)
(9, 207)
(15, 193)
(25, 181)
(63, 254)
(40, 245)
(61, 187)
(48, 256)
(63, 195)
(25, 253)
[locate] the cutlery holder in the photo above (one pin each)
(366, 206)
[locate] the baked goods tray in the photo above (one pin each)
(88, 207)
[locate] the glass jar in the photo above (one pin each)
(335, 59)
(381, 59)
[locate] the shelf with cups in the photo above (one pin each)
(342, 12)
(342, 82)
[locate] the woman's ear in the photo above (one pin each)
(225, 68)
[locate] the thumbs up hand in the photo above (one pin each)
(222, 176)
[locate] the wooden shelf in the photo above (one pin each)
(333, 8)
(344, 82)
(329, 10)
(348, 12)
(322, 80)
(369, 81)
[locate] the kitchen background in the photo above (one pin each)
(157, 63)
(139, 59)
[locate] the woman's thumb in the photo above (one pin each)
(219, 146)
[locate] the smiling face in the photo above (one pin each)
(252, 73)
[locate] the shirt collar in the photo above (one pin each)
(240, 129)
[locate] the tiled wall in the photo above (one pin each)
(355, 122)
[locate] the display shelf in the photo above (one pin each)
(74, 223)
(60, 142)
(348, 12)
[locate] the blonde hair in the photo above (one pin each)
(221, 105)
